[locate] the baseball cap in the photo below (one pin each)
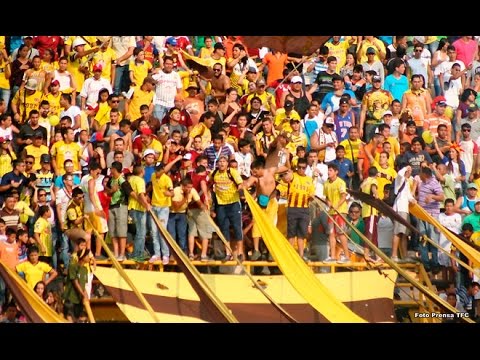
(252, 69)
(218, 45)
(371, 50)
(187, 156)
(261, 82)
(192, 85)
(388, 112)
(296, 79)
(97, 67)
(96, 137)
(148, 152)
(411, 122)
(376, 78)
(472, 186)
(29, 36)
(31, 84)
(343, 101)
(2, 139)
(38, 134)
(472, 107)
(126, 171)
(288, 105)
(171, 41)
(45, 158)
(329, 122)
(55, 83)
(146, 131)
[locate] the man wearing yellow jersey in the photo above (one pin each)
(66, 149)
(36, 270)
(300, 191)
(162, 193)
(226, 183)
(202, 129)
(138, 207)
(143, 95)
(149, 142)
(43, 234)
(25, 101)
(335, 191)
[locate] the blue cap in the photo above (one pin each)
(171, 41)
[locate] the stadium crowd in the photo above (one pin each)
(96, 132)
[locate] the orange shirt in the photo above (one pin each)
(362, 154)
(9, 254)
(416, 102)
(276, 64)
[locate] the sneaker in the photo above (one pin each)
(100, 257)
(191, 257)
(256, 255)
(270, 258)
(228, 257)
(154, 258)
(204, 259)
(137, 258)
(165, 260)
(343, 260)
(305, 258)
(395, 259)
(330, 260)
(120, 258)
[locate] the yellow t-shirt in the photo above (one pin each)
(32, 102)
(103, 113)
(300, 190)
(160, 185)
(156, 146)
(202, 130)
(339, 51)
(295, 141)
(62, 151)
(36, 152)
(54, 102)
(138, 99)
(366, 188)
(43, 228)
(225, 189)
(6, 163)
(178, 196)
(355, 148)
(33, 273)
(140, 71)
(4, 83)
(105, 58)
(138, 186)
(332, 191)
(280, 119)
(266, 98)
(384, 177)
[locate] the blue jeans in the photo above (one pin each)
(140, 221)
(122, 80)
(159, 243)
(424, 248)
(177, 227)
(62, 249)
(159, 111)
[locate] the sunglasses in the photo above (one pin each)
(217, 69)
(42, 194)
(115, 101)
(301, 167)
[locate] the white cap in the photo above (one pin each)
(78, 41)
(187, 156)
(388, 112)
(296, 79)
(31, 84)
(148, 152)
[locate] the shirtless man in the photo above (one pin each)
(264, 179)
(219, 82)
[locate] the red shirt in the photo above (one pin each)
(41, 43)
(196, 180)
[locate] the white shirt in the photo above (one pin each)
(166, 88)
(318, 181)
(403, 198)
(91, 87)
(244, 163)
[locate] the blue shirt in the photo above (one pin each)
(344, 167)
(396, 86)
(147, 176)
(59, 182)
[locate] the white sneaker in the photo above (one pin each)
(154, 258)
(343, 260)
(330, 260)
(165, 260)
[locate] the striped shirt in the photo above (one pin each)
(430, 187)
(299, 191)
(166, 88)
(213, 155)
(225, 189)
